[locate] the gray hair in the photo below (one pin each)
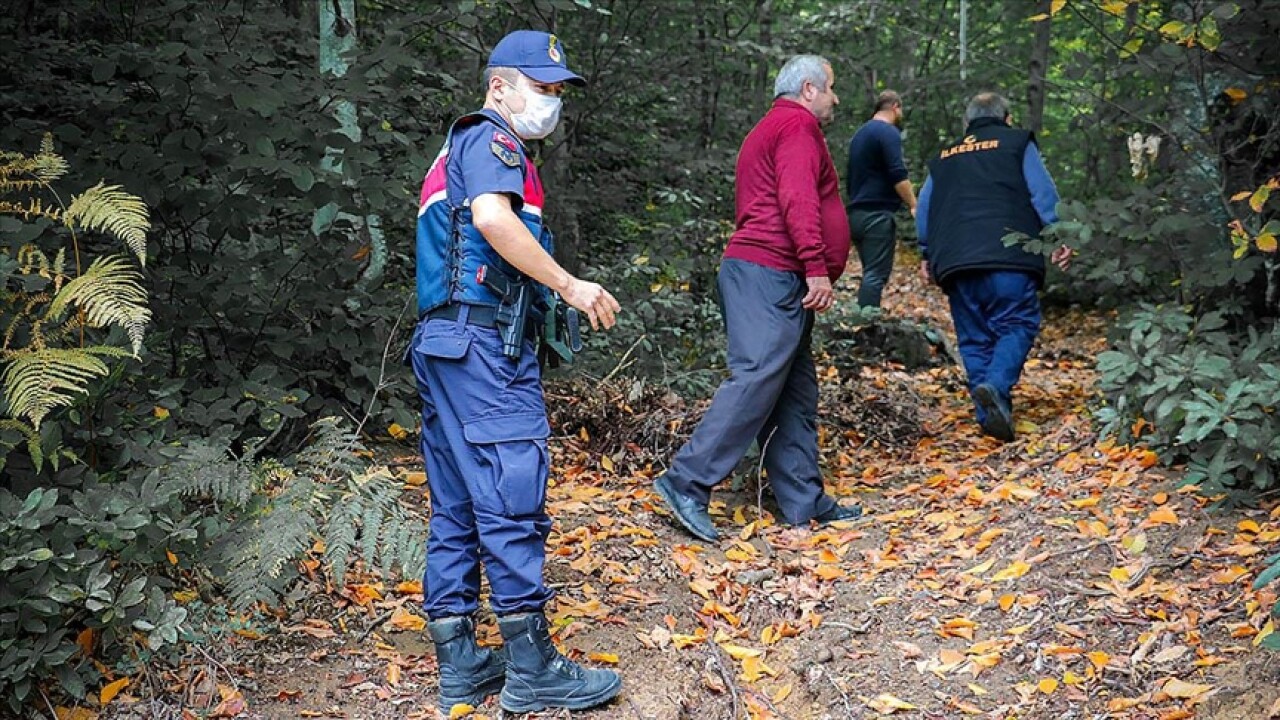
(510, 74)
(798, 70)
(986, 105)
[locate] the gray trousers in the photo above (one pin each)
(770, 397)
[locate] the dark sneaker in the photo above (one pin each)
(999, 418)
(692, 515)
(839, 513)
(539, 677)
(468, 673)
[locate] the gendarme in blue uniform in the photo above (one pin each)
(484, 424)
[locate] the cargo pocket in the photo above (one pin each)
(516, 446)
(444, 342)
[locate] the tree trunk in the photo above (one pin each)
(765, 15)
(1038, 65)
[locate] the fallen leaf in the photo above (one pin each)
(910, 650)
(1098, 658)
(1170, 654)
(64, 713)
(887, 704)
(1184, 690)
(1164, 515)
(1015, 570)
(404, 620)
(1047, 685)
(460, 710)
(393, 674)
(112, 689)
(737, 652)
(610, 658)
(783, 693)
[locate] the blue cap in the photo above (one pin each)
(536, 54)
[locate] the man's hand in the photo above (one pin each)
(593, 300)
(913, 211)
(820, 296)
(924, 271)
(1062, 257)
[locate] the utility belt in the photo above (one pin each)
(485, 316)
(557, 336)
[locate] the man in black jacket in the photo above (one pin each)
(990, 183)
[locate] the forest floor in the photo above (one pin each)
(1058, 576)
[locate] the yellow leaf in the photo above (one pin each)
(1098, 658)
(393, 674)
(753, 668)
(1228, 576)
(1047, 685)
(1236, 95)
(160, 413)
(1070, 678)
(1131, 47)
(1248, 526)
(976, 689)
(783, 693)
(1039, 18)
(888, 704)
(1241, 195)
(1173, 28)
(1165, 515)
(1259, 198)
(1267, 629)
(173, 559)
(1135, 543)
(1115, 7)
(416, 479)
(1026, 427)
(1119, 574)
(1016, 569)
(396, 431)
(737, 652)
(460, 710)
(1266, 242)
(1006, 601)
(1056, 6)
(981, 568)
(63, 713)
(110, 690)
(606, 462)
(1184, 690)
(610, 658)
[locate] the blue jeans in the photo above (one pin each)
(997, 319)
(484, 441)
(874, 234)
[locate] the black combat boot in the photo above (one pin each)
(539, 677)
(468, 673)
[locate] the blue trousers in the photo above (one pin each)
(874, 234)
(997, 319)
(484, 440)
(771, 396)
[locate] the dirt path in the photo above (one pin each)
(1054, 577)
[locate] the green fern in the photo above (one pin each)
(109, 209)
(110, 292)
(39, 380)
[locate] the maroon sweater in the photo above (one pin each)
(789, 214)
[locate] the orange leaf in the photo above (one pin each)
(1047, 685)
(610, 658)
(1099, 659)
(409, 587)
(110, 690)
(1006, 601)
(1228, 576)
(393, 674)
(402, 619)
(1164, 515)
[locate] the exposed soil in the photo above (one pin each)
(1058, 576)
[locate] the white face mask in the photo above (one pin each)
(540, 116)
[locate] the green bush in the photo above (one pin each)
(82, 561)
(1207, 393)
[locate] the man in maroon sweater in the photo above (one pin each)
(791, 243)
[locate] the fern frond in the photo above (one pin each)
(209, 470)
(49, 165)
(110, 293)
(39, 381)
(25, 186)
(33, 440)
(108, 208)
(32, 260)
(32, 209)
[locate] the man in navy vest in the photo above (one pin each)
(990, 183)
(484, 424)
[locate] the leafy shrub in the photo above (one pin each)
(1200, 391)
(81, 583)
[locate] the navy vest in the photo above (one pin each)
(979, 195)
(450, 250)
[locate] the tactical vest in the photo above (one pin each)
(450, 250)
(980, 195)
